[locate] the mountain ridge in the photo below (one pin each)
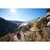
(7, 26)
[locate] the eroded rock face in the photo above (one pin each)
(48, 24)
(48, 21)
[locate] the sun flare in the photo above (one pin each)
(12, 10)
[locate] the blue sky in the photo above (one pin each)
(22, 14)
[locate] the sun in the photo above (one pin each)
(12, 10)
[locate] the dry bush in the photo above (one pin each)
(44, 35)
(30, 36)
(7, 37)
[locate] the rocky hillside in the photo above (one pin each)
(42, 32)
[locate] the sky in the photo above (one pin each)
(22, 14)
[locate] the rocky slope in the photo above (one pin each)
(44, 32)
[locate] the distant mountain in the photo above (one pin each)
(16, 22)
(8, 26)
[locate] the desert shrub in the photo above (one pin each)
(30, 37)
(38, 25)
(24, 29)
(18, 29)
